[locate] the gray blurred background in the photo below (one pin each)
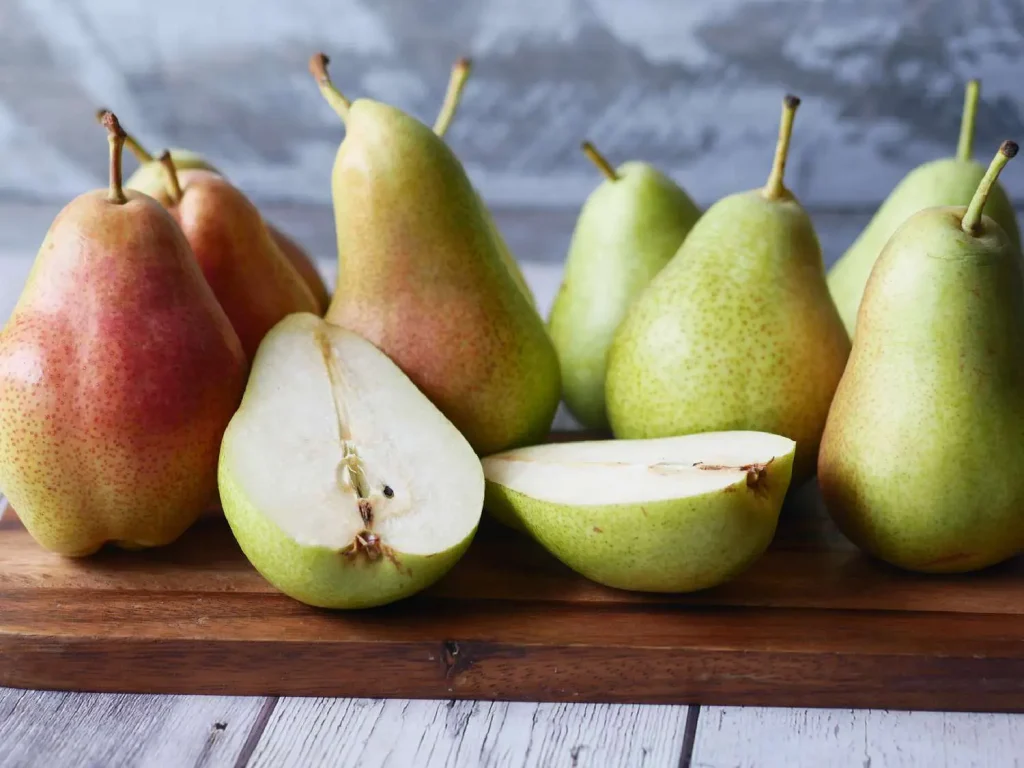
(692, 86)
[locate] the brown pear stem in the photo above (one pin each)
(134, 147)
(971, 222)
(453, 96)
(965, 145)
(318, 68)
(173, 185)
(599, 160)
(775, 189)
(115, 135)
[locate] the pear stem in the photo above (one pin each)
(965, 146)
(599, 160)
(971, 222)
(453, 96)
(173, 185)
(318, 68)
(774, 188)
(133, 146)
(115, 135)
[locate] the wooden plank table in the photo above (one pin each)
(50, 729)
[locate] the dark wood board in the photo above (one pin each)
(813, 623)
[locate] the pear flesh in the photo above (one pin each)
(628, 230)
(920, 460)
(344, 486)
(664, 515)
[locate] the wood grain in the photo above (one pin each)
(732, 737)
(84, 730)
(812, 624)
(468, 734)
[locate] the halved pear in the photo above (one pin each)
(343, 483)
(672, 514)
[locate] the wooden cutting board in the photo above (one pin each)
(813, 623)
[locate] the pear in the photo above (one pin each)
(738, 332)
(119, 372)
(673, 514)
(250, 276)
(344, 485)
(948, 181)
(920, 461)
(150, 179)
(453, 97)
(628, 230)
(420, 277)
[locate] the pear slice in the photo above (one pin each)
(672, 514)
(344, 485)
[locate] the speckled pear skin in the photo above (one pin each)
(250, 276)
(679, 545)
(151, 179)
(921, 459)
(946, 182)
(320, 576)
(628, 230)
(118, 375)
(738, 332)
(420, 277)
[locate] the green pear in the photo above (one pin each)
(628, 230)
(948, 181)
(420, 277)
(452, 98)
(673, 514)
(344, 485)
(738, 332)
(920, 461)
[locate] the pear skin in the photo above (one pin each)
(920, 460)
(629, 228)
(250, 276)
(119, 372)
(945, 182)
(421, 278)
(738, 332)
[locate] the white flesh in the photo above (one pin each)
(630, 471)
(289, 448)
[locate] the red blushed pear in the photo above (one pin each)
(119, 373)
(421, 277)
(150, 178)
(250, 276)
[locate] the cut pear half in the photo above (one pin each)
(343, 484)
(673, 514)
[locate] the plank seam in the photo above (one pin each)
(689, 735)
(256, 732)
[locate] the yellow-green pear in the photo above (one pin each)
(948, 181)
(628, 230)
(921, 459)
(344, 485)
(738, 331)
(421, 277)
(673, 514)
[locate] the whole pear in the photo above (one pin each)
(628, 229)
(420, 277)
(150, 178)
(920, 461)
(250, 276)
(119, 372)
(344, 485)
(947, 181)
(738, 332)
(674, 514)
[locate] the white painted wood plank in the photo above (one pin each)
(744, 737)
(456, 734)
(48, 729)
